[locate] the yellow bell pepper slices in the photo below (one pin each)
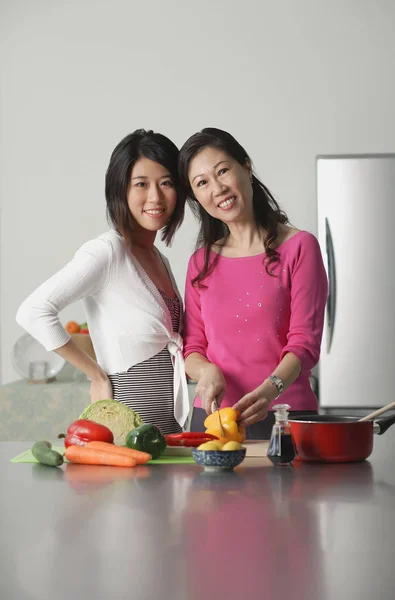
(229, 416)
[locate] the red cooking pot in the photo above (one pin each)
(326, 438)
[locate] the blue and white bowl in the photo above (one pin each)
(219, 460)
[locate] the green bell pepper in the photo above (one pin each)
(147, 438)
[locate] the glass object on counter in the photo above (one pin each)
(38, 370)
(281, 450)
(27, 358)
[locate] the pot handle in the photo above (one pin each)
(381, 425)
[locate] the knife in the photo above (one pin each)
(214, 408)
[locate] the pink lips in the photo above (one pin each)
(156, 215)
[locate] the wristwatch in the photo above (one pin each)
(277, 382)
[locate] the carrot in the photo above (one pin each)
(140, 457)
(92, 456)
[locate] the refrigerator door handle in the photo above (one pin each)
(331, 302)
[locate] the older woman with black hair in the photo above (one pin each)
(255, 294)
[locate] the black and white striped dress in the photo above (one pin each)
(147, 388)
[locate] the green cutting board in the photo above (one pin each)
(27, 457)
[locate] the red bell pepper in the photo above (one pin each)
(191, 439)
(83, 431)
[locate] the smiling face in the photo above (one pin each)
(151, 196)
(221, 185)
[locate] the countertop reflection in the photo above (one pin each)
(308, 531)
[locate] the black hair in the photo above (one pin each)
(267, 213)
(139, 144)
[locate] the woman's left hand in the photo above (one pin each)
(253, 407)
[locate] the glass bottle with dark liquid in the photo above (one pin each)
(281, 446)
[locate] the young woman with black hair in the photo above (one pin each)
(133, 307)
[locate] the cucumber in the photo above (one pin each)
(42, 451)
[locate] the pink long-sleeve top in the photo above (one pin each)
(245, 320)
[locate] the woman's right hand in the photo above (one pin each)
(210, 386)
(101, 389)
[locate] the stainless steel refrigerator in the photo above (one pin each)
(356, 230)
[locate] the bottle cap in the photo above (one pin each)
(281, 413)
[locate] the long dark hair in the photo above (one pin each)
(267, 213)
(139, 144)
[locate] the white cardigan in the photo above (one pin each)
(128, 319)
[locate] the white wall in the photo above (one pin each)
(289, 79)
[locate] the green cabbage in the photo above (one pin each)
(118, 417)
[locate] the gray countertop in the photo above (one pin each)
(319, 532)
